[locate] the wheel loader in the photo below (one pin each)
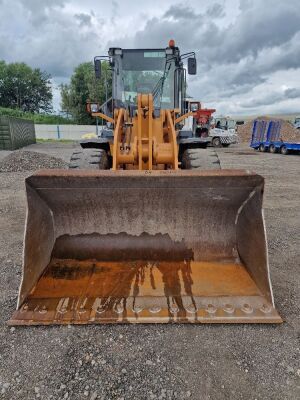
(145, 227)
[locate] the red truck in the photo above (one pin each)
(221, 130)
(202, 117)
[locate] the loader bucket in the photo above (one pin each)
(145, 246)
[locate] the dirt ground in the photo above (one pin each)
(159, 361)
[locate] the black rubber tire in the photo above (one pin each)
(89, 159)
(283, 150)
(200, 159)
(272, 149)
(216, 142)
(262, 148)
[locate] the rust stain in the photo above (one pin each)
(67, 278)
(111, 284)
(126, 286)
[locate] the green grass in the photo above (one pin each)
(49, 119)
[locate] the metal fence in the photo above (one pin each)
(16, 133)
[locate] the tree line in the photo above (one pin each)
(27, 92)
(84, 86)
(25, 88)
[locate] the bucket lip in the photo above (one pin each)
(145, 173)
(135, 179)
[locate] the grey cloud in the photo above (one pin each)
(246, 77)
(83, 19)
(292, 93)
(216, 10)
(115, 11)
(272, 98)
(236, 58)
(40, 10)
(233, 59)
(49, 37)
(181, 11)
(41, 7)
(245, 4)
(257, 29)
(223, 82)
(34, 4)
(253, 31)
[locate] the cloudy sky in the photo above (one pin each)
(248, 51)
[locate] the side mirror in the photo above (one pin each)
(97, 64)
(194, 107)
(92, 107)
(192, 66)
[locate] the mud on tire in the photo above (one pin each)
(200, 159)
(89, 159)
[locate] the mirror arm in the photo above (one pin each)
(104, 116)
(187, 55)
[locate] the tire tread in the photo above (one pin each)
(89, 159)
(200, 159)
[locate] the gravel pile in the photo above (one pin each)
(288, 132)
(20, 160)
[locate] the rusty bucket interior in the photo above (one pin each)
(138, 247)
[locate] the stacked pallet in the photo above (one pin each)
(288, 132)
(16, 133)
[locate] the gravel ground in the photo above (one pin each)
(19, 161)
(159, 361)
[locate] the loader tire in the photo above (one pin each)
(200, 159)
(89, 159)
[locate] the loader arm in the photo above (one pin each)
(145, 141)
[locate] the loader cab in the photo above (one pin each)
(156, 71)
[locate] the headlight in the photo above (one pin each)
(94, 107)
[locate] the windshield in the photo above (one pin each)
(146, 71)
(224, 123)
(231, 124)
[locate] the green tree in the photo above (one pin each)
(84, 86)
(24, 88)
